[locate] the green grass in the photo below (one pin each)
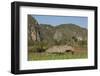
(45, 56)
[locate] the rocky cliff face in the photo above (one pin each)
(33, 29)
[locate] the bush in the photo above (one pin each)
(38, 47)
(83, 43)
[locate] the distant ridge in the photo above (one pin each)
(48, 32)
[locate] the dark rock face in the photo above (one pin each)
(33, 29)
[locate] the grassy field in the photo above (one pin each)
(45, 56)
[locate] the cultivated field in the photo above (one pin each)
(78, 54)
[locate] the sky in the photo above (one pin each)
(57, 20)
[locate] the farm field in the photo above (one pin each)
(48, 56)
